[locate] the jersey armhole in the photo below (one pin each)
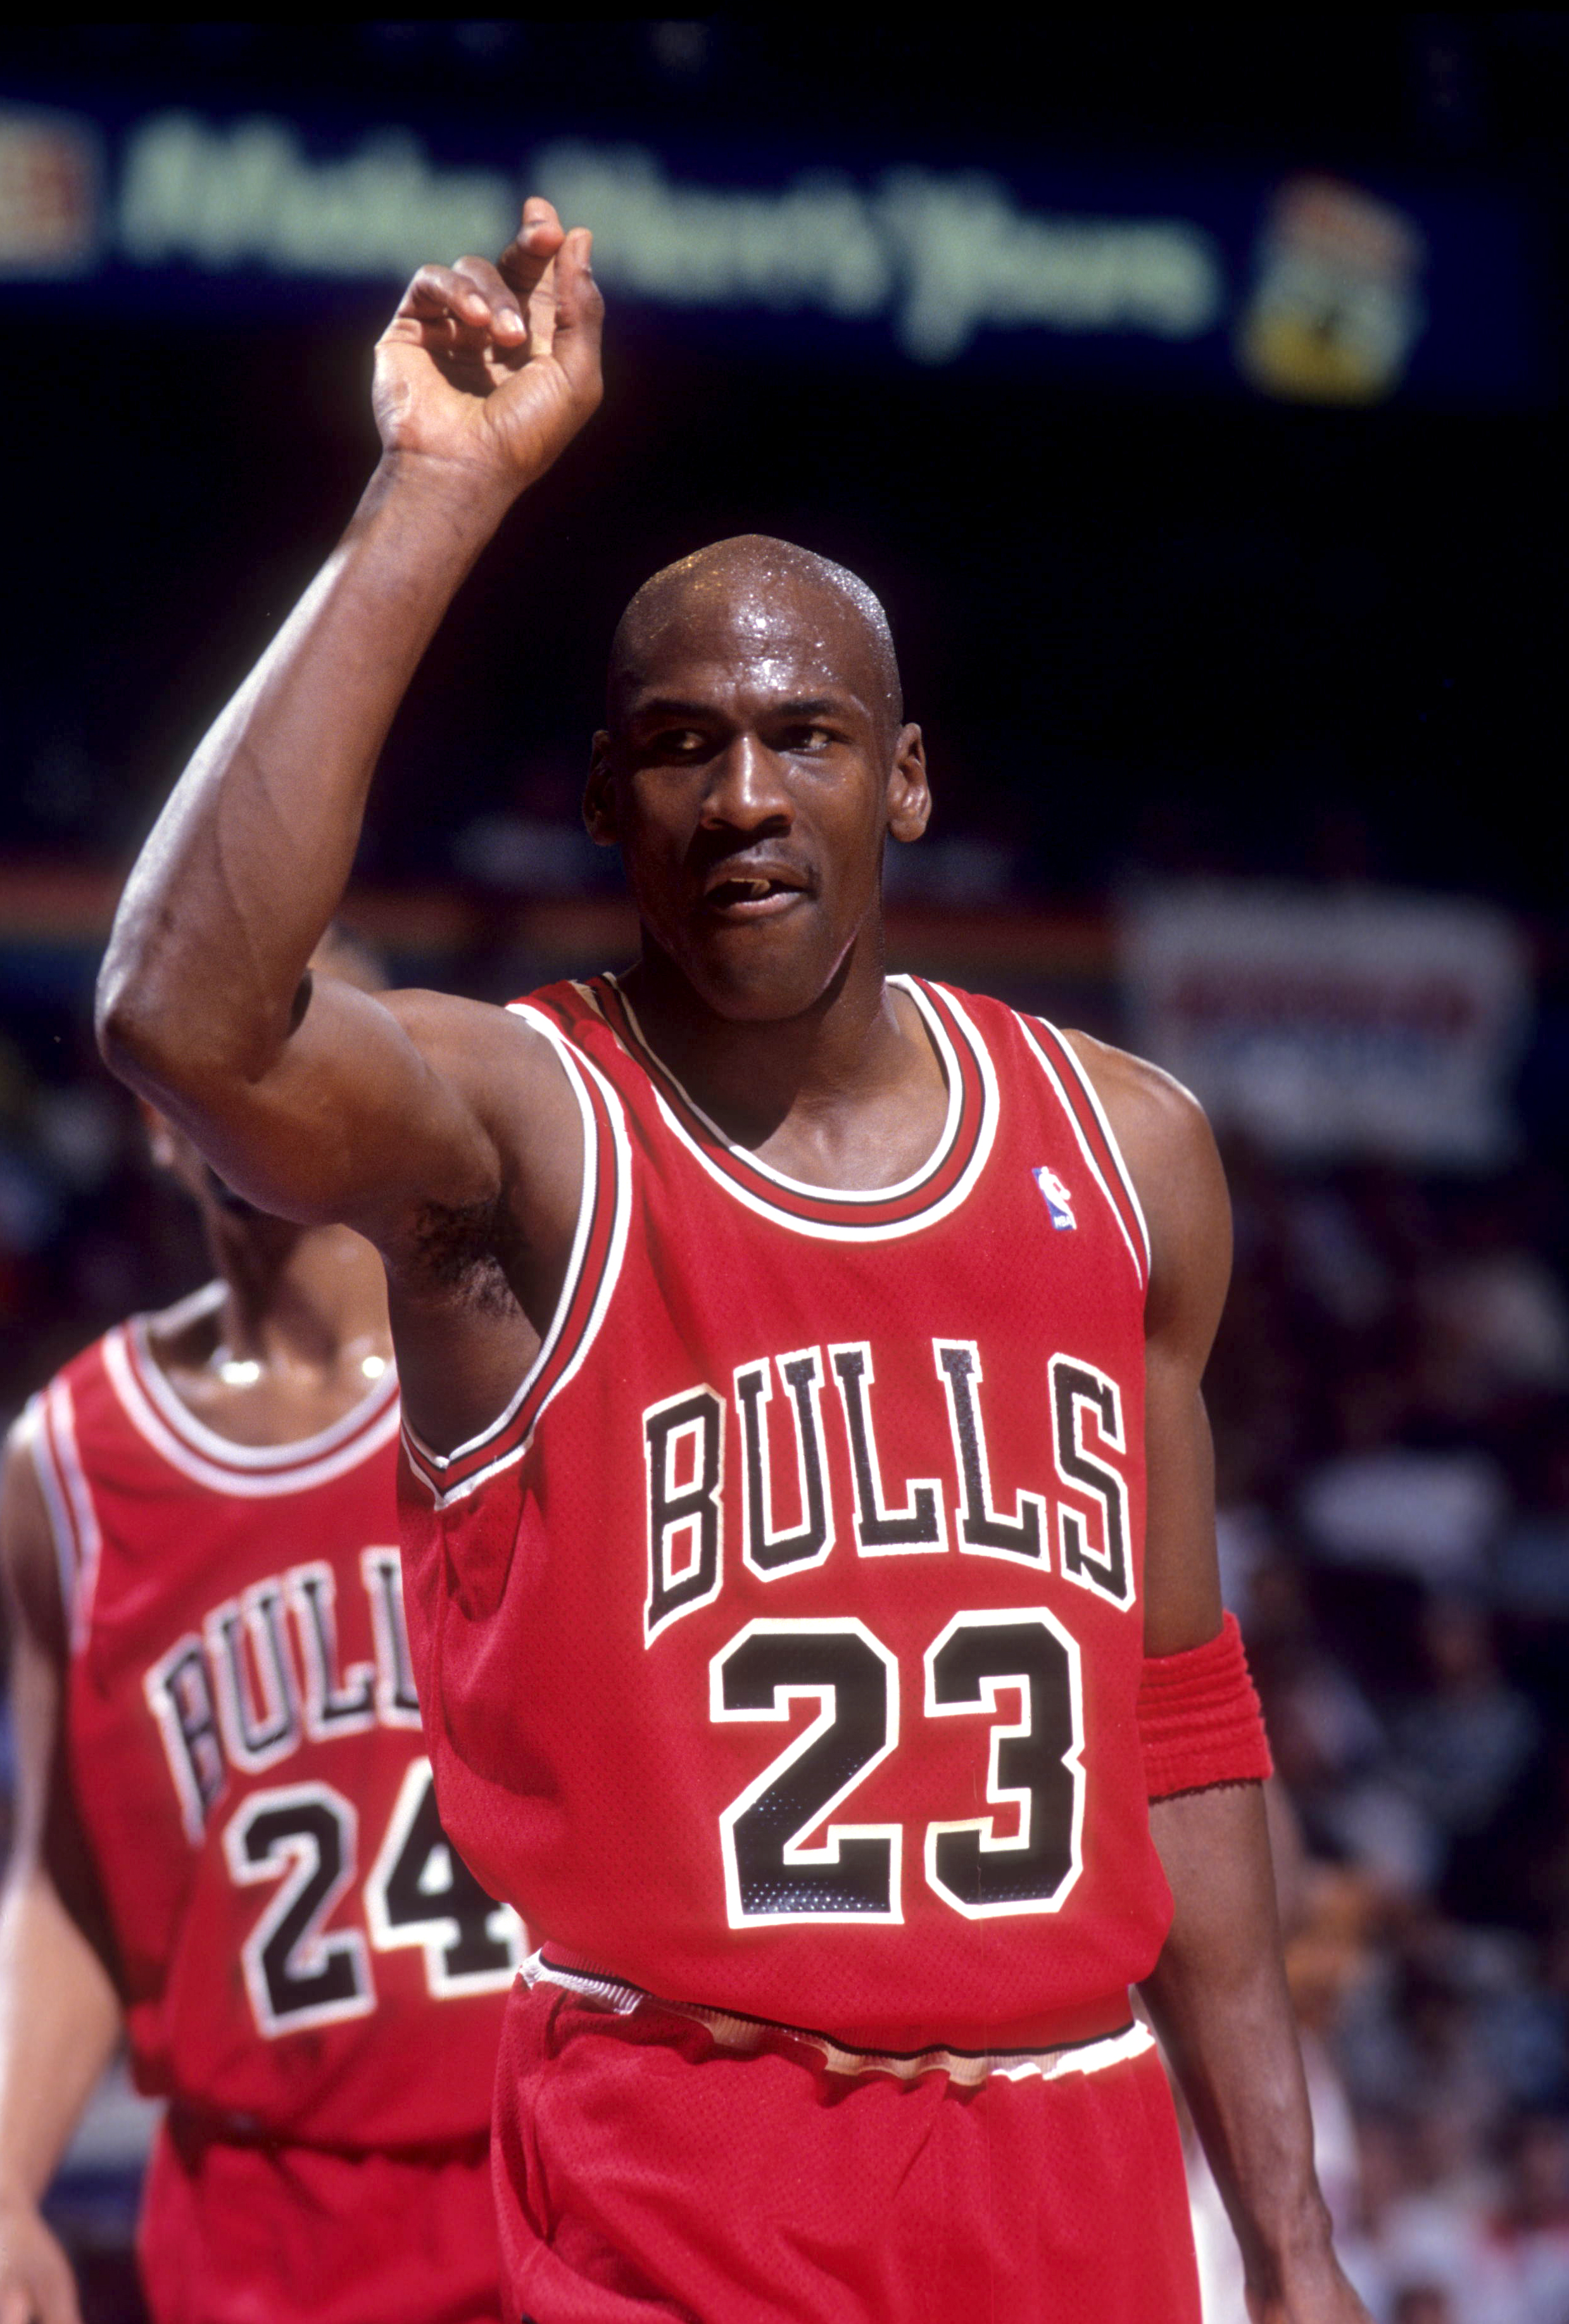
(1096, 1140)
(48, 1438)
(592, 1270)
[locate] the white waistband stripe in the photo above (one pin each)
(967, 2068)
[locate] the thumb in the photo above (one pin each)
(579, 315)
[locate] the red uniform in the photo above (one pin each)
(312, 1976)
(782, 1646)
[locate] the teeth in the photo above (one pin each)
(743, 889)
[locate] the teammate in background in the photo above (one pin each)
(227, 1847)
(786, 1350)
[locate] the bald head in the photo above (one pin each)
(745, 595)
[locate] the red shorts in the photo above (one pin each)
(235, 2234)
(645, 2169)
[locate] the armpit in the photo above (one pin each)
(460, 1248)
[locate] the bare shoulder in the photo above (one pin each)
(470, 1039)
(28, 1564)
(1156, 1118)
(1170, 1152)
(466, 1043)
(510, 1074)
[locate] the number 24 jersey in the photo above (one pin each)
(780, 1644)
(304, 1955)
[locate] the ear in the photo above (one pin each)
(599, 794)
(910, 799)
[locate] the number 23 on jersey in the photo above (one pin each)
(788, 1858)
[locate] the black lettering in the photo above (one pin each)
(262, 1728)
(1075, 1389)
(685, 1527)
(768, 1551)
(334, 1704)
(881, 1531)
(397, 1704)
(179, 1696)
(981, 1528)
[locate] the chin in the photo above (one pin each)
(762, 989)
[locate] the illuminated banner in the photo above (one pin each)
(1327, 1023)
(1299, 285)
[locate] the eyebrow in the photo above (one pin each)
(669, 706)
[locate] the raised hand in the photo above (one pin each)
(495, 368)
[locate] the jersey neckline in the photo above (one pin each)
(850, 1214)
(142, 1372)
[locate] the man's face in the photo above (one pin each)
(750, 777)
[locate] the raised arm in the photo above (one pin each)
(327, 1103)
(1218, 1995)
(59, 2013)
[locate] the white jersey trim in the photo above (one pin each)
(829, 1231)
(298, 1452)
(1140, 1267)
(576, 1065)
(1110, 1135)
(804, 1186)
(50, 1439)
(245, 1472)
(967, 2068)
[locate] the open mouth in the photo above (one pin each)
(749, 895)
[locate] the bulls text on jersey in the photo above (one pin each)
(693, 1507)
(237, 1696)
(240, 1698)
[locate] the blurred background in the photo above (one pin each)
(1191, 392)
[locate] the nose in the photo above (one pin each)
(747, 790)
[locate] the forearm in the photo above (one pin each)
(249, 858)
(1219, 2003)
(60, 2023)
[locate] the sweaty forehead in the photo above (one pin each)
(764, 611)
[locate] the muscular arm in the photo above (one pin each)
(330, 1102)
(59, 2013)
(1218, 1993)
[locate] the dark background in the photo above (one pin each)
(1149, 631)
(1135, 624)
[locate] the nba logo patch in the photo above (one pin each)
(1057, 1199)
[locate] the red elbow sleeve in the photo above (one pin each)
(1199, 1720)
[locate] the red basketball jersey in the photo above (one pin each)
(780, 1643)
(304, 1956)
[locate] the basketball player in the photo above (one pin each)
(227, 1844)
(807, 1506)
